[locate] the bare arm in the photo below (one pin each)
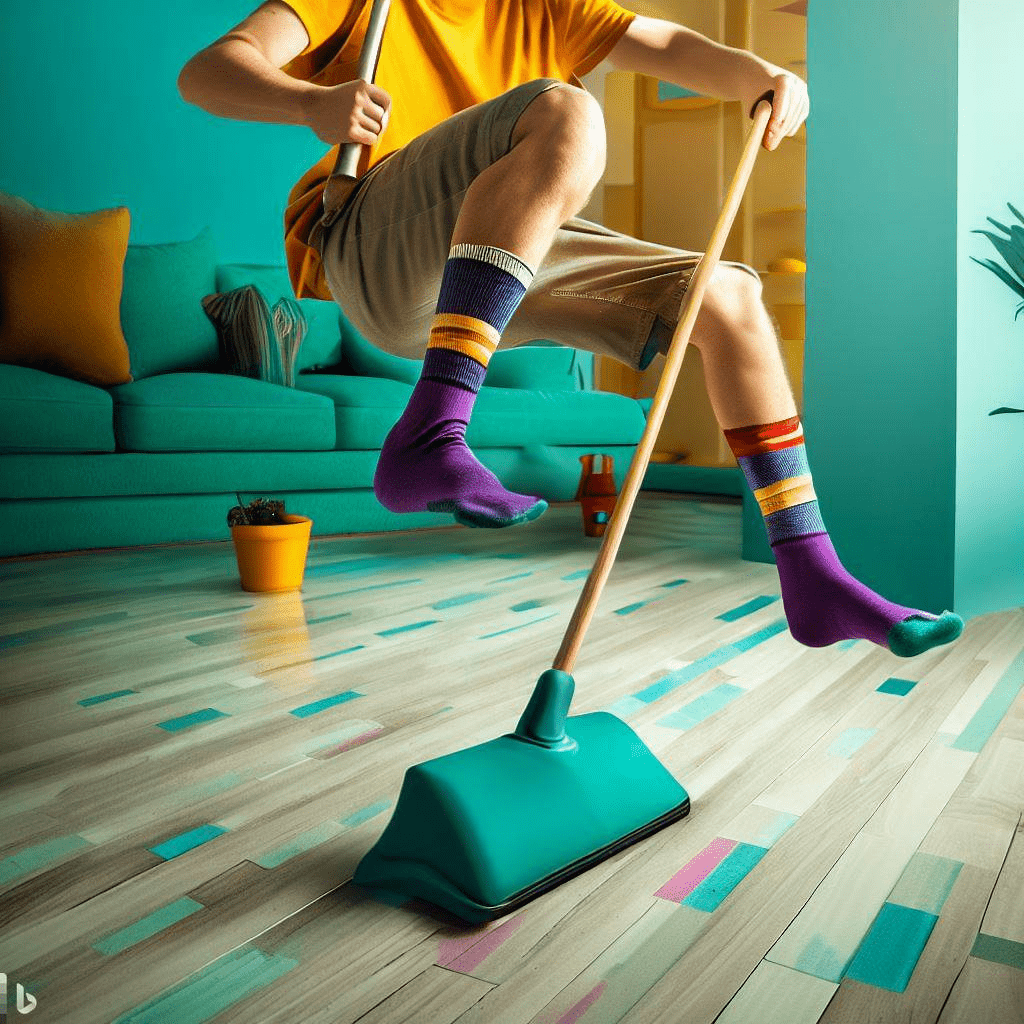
(239, 76)
(688, 59)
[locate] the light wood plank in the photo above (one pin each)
(985, 992)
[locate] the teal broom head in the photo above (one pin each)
(482, 831)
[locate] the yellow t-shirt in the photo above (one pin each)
(437, 58)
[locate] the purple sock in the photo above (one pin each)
(425, 463)
(824, 603)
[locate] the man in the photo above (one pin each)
(481, 147)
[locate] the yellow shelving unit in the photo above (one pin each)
(669, 162)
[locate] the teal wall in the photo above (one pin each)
(93, 119)
(880, 364)
(990, 349)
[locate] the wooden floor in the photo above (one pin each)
(191, 773)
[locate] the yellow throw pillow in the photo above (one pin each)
(61, 277)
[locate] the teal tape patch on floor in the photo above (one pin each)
(406, 629)
(746, 609)
(625, 707)
(999, 951)
(211, 990)
(305, 710)
(899, 687)
(717, 657)
(889, 952)
(993, 710)
(849, 741)
(32, 858)
(177, 845)
(196, 718)
(146, 927)
(302, 843)
(455, 602)
(366, 813)
(327, 618)
(702, 707)
(710, 893)
(334, 654)
(100, 698)
(629, 608)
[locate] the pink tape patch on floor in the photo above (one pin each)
(466, 953)
(683, 882)
(574, 1013)
(358, 741)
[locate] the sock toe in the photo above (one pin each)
(494, 522)
(917, 634)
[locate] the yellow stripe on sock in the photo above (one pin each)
(444, 321)
(797, 490)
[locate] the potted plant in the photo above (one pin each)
(270, 545)
(1011, 249)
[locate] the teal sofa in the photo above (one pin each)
(160, 459)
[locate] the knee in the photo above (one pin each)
(566, 124)
(732, 303)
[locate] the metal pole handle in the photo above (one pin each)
(591, 593)
(348, 154)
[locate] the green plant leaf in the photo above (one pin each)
(1014, 260)
(1003, 408)
(1016, 212)
(1002, 227)
(1002, 274)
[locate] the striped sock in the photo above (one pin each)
(425, 464)
(823, 602)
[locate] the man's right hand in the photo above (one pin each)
(355, 111)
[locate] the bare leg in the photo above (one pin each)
(506, 224)
(557, 157)
(754, 404)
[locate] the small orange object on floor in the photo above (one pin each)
(596, 493)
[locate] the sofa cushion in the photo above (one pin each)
(60, 285)
(366, 409)
(161, 308)
(325, 324)
(48, 413)
(255, 340)
(192, 412)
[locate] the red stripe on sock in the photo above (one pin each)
(761, 437)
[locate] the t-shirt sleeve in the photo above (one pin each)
(321, 18)
(589, 30)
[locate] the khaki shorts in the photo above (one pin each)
(597, 289)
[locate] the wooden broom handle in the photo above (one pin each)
(591, 593)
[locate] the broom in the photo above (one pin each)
(484, 830)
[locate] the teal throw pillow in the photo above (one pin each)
(161, 306)
(257, 340)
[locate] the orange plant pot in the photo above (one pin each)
(272, 558)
